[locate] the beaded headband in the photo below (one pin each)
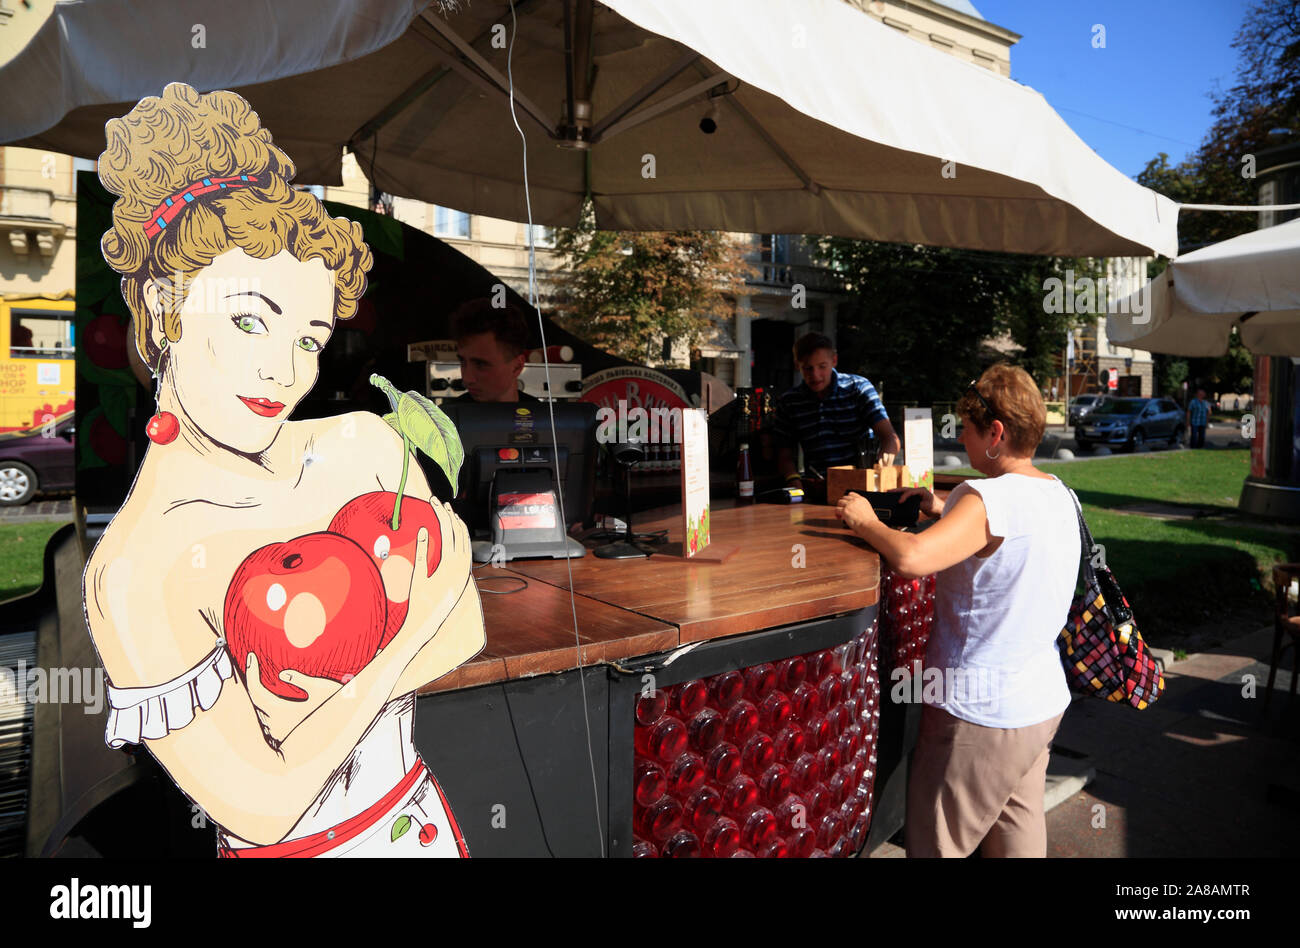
(166, 212)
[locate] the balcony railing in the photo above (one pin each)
(786, 275)
(26, 203)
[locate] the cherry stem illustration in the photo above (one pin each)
(385, 386)
(401, 487)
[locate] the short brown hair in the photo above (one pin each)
(809, 343)
(1016, 402)
(507, 324)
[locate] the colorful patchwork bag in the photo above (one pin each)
(1101, 648)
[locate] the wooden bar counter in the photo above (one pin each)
(537, 741)
(791, 564)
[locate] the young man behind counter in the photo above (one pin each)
(828, 413)
(492, 345)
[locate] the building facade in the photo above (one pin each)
(38, 219)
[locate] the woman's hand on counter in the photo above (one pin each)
(856, 512)
(931, 506)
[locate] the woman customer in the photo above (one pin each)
(1006, 553)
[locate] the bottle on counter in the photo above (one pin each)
(744, 477)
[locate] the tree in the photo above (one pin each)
(1260, 110)
(626, 292)
(922, 313)
(1263, 102)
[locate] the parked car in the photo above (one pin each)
(1081, 405)
(34, 462)
(1131, 423)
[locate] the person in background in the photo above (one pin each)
(828, 413)
(1006, 551)
(1198, 417)
(492, 345)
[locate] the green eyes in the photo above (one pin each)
(249, 324)
(254, 326)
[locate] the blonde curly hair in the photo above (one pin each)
(167, 143)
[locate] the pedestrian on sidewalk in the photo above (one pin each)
(1006, 553)
(1198, 417)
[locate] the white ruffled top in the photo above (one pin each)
(149, 713)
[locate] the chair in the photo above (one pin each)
(1284, 626)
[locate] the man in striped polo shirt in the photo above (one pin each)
(829, 413)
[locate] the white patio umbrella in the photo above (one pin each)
(1250, 283)
(826, 120)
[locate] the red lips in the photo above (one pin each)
(262, 406)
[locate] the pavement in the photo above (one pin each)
(42, 508)
(1208, 770)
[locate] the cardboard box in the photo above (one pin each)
(844, 478)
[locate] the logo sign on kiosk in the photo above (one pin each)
(1112, 379)
(636, 386)
(918, 438)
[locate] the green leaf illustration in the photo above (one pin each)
(400, 826)
(426, 426)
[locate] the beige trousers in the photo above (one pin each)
(973, 787)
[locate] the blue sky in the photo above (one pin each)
(1148, 90)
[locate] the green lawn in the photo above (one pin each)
(22, 555)
(1180, 573)
(1210, 478)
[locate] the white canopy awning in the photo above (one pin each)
(828, 121)
(1251, 282)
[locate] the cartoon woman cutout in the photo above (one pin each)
(225, 545)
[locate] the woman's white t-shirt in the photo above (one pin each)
(997, 618)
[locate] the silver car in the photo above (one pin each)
(1129, 423)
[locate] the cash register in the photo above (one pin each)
(514, 476)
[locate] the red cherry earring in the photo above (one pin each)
(163, 426)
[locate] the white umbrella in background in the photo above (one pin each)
(826, 121)
(1250, 283)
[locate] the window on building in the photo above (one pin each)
(543, 236)
(1266, 196)
(775, 248)
(450, 223)
(81, 164)
(40, 334)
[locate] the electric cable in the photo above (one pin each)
(546, 364)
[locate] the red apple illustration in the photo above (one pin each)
(314, 604)
(368, 521)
